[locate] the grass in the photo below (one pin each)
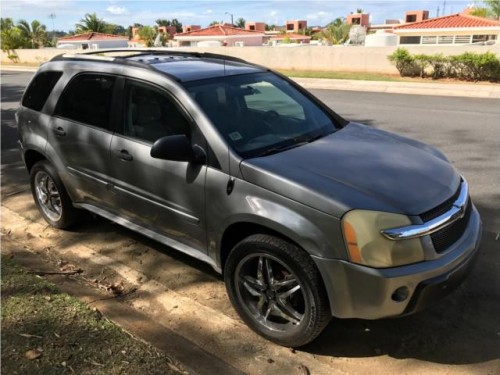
(365, 76)
(65, 335)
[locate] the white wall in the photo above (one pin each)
(334, 58)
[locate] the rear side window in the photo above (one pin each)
(87, 99)
(39, 90)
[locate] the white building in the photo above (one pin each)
(221, 35)
(92, 40)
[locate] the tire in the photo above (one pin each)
(51, 197)
(277, 290)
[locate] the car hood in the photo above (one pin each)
(358, 167)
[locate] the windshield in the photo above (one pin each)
(259, 114)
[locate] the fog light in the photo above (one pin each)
(400, 294)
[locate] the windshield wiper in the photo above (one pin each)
(274, 150)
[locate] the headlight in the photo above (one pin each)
(367, 246)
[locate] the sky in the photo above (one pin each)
(203, 12)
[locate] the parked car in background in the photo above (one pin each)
(306, 214)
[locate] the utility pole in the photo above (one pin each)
(444, 8)
(52, 16)
(437, 12)
(232, 23)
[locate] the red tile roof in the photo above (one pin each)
(451, 21)
(218, 30)
(91, 36)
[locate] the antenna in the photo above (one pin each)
(437, 11)
(444, 8)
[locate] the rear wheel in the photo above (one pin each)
(51, 197)
(277, 290)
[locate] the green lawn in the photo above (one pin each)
(48, 332)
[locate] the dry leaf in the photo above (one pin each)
(33, 354)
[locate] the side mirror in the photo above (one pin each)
(177, 148)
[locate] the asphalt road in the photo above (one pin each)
(467, 130)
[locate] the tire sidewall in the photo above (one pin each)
(67, 216)
(304, 333)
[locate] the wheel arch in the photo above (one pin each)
(236, 232)
(31, 157)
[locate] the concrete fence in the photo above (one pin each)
(320, 58)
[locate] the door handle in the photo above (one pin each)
(124, 155)
(59, 131)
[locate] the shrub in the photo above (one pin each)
(468, 66)
(405, 62)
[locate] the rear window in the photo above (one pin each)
(87, 99)
(39, 90)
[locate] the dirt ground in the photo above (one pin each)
(460, 335)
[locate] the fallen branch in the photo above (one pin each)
(43, 273)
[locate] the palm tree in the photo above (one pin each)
(10, 35)
(493, 8)
(90, 23)
(35, 33)
(336, 32)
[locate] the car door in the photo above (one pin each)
(165, 196)
(80, 134)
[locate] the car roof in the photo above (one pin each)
(182, 66)
(191, 68)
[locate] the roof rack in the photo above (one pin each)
(134, 52)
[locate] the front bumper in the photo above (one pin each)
(357, 291)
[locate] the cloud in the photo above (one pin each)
(116, 10)
(208, 11)
(319, 16)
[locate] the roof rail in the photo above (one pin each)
(152, 51)
(125, 60)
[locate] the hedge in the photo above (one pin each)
(468, 66)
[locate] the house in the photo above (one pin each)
(92, 40)
(295, 26)
(290, 38)
(255, 26)
(360, 19)
(188, 28)
(452, 29)
(222, 35)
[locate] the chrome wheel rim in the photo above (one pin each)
(270, 292)
(48, 196)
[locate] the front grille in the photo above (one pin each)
(441, 209)
(444, 238)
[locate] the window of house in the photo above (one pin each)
(150, 114)
(252, 27)
(356, 21)
(87, 99)
(409, 40)
(463, 39)
(483, 38)
(39, 90)
(411, 18)
(445, 39)
(429, 39)
(289, 26)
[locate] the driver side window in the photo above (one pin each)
(150, 114)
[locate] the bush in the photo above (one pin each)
(405, 63)
(468, 66)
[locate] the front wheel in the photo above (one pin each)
(277, 290)
(51, 197)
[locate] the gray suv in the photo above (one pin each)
(305, 214)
